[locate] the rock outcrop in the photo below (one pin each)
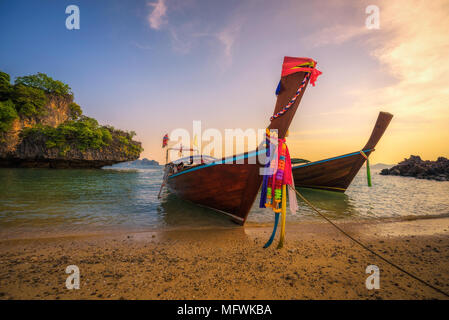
(421, 169)
(56, 135)
(32, 152)
(56, 112)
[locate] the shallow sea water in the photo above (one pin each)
(45, 200)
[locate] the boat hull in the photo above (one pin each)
(228, 188)
(337, 173)
(334, 174)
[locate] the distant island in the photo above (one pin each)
(381, 166)
(42, 126)
(421, 169)
(143, 163)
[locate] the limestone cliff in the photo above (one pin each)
(55, 134)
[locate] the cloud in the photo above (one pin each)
(185, 36)
(411, 46)
(416, 53)
(338, 22)
(181, 39)
(414, 50)
(336, 35)
(157, 15)
(227, 38)
(180, 36)
(141, 46)
(187, 31)
(411, 81)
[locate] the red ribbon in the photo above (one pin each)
(292, 65)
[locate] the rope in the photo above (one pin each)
(290, 103)
(370, 250)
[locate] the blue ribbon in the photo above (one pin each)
(276, 221)
(263, 192)
(278, 89)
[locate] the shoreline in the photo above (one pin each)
(317, 262)
(36, 233)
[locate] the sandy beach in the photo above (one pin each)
(317, 262)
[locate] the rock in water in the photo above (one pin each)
(421, 169)
(41, 126)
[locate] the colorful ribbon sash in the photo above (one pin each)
(278, 174)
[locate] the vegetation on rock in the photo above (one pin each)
(75, 111)
(127, 145)
(7, 115)
(45, 83)
(28, 101)
(5, 85)
(83, 134)
(29, 98)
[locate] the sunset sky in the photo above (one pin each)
(153, 66)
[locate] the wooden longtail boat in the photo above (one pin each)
(337, 173)
(230, 185)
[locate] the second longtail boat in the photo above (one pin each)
(230, 184)
(337, 173)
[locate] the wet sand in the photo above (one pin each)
(317, 262)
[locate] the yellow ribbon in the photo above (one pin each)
(283, 215)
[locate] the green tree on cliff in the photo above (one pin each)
(5, 86)
(28, 98)
(7, 115)
(75, 111)
(45, 83)
(29, 101)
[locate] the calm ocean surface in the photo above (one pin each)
(48, 201)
